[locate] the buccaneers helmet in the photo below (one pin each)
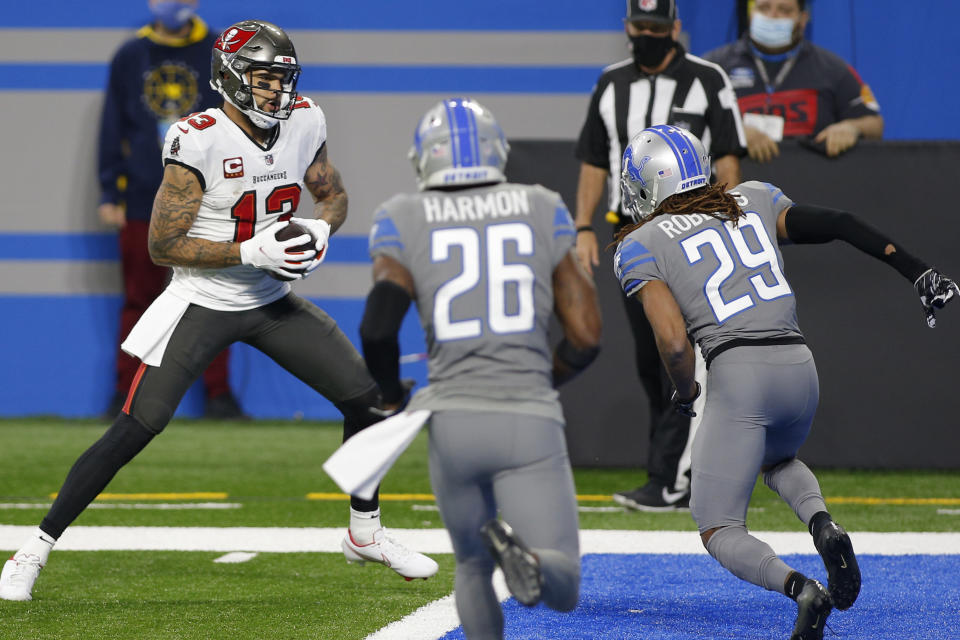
(249, 45)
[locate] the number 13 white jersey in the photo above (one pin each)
(246, 189)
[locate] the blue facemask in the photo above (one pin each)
(774, 33)
(173, 15)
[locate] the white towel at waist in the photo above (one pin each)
(149, 337)
(360, 463)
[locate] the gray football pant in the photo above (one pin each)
(759, 408)
(484, 462)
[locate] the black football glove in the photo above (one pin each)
(685, 407)
(935, 291)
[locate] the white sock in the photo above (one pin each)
(40, 544)
(363, 524)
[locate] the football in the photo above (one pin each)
(293, 230)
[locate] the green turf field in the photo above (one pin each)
(270, 469)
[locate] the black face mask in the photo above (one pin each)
(649, 51)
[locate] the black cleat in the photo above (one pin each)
(653, 498)
(813, 607)
(520, 566)
(835, 548)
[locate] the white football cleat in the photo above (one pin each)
(391, 553)
(19, 574)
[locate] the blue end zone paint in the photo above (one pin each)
(341, 78)
(350, 249)
(684, 597)
(494, 15)
(60, 355)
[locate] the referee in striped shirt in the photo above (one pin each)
(660, 84)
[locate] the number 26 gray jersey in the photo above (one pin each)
(728, 280)
(482, 261)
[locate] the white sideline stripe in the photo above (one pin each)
(235, 557)
(327, 540)
(433, 620)
(160, 506)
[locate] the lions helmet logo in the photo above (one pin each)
(233, 39)
(634, 169)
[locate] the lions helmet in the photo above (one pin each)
(659, 162)
(249, 45)
(458, 142)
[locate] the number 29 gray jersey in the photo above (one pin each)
(729, 281)
(482, 261)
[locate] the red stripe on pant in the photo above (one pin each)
(133, 387)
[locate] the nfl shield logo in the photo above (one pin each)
(648, 5)
(268, 158)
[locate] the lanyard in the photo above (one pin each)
(784, 70)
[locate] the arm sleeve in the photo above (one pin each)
(724, 121)
(111, 163)
(808, 224)
(386, 306)
(593, 145)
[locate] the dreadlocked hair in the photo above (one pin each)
(711, 200)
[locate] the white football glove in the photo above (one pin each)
(321, 231)
(264, 251)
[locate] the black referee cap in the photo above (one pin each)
(663, 11)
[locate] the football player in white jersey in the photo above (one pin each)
(233, 178)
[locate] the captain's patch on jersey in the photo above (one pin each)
(233, 168)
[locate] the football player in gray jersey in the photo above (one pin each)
(486, 263)
(705, 261)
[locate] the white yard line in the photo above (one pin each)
(327, 540)
(433, 620)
